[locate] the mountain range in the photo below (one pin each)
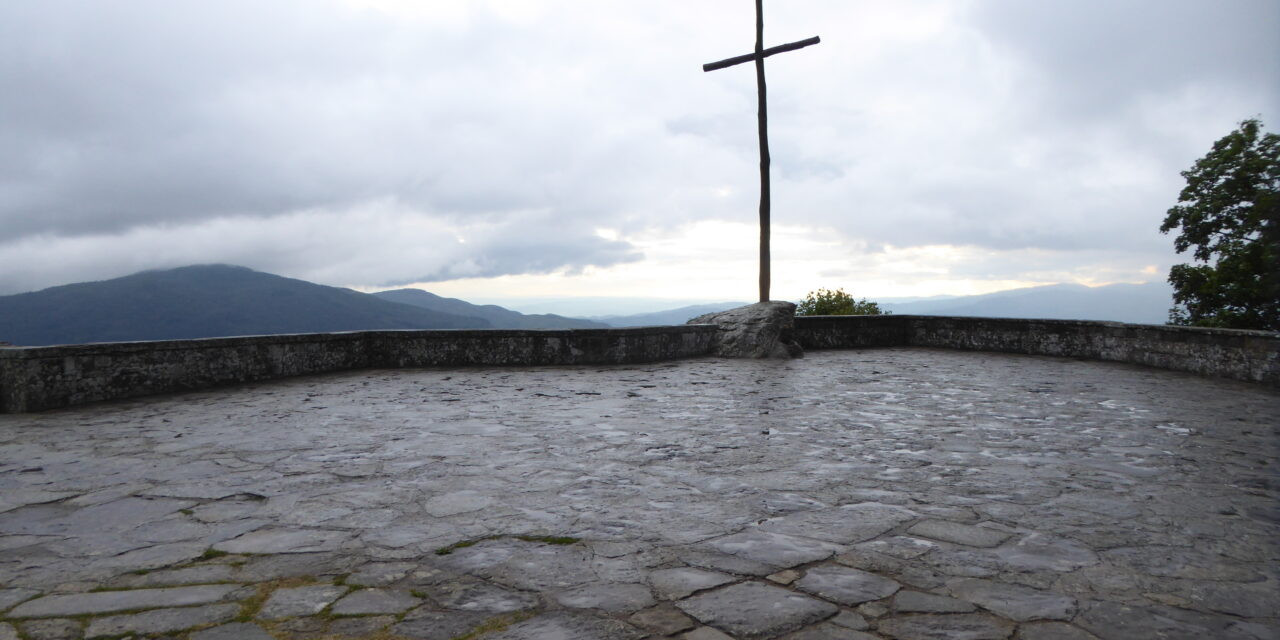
(497, 317)
(1137, 303)
(207, 301)
(220, 300)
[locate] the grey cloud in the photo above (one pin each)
(1057, 266)
(537, 250)
(1055, 126)
(152, 114)
(146, 111)
(1016, 126)
(1097, 56)
(376, 244)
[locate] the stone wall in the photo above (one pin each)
(1243, 355)
(36, 378)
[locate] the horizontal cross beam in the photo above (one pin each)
(782, 48)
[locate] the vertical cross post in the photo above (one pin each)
(758, 56)
(762, 117)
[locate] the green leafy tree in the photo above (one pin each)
(836, 303)
(1229, 215)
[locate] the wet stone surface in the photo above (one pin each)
(755, 610)
(892, 494)
(846, 586)
(373, 601)
(291, 602)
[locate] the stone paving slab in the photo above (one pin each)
(849, 523)
(725, 563)
(283, 541)
(52, 629)
(775, 549)
(233, 631)
(676, 583)
(755, 610)
(177, 577)
(474, 595)
(160, 620)
(441, 625)
(374, 601)
(917, 602)
(11, 597)
(110, 601)
(826, 631)
(1014, 601)
(846, 586)
(1053, 631)
(380, 574)
(611, 597)
(956, 626)
(291, 602)
(706, 633)
(958, 533)
(569, 626)
(663, 620)
(362, 626)
(892, 494)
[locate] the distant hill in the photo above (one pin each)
(680, 315)
(202, 302)
(1135, 303)
(498, 317)
(220, 300)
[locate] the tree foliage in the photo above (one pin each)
(1229, 216)
(836, 303)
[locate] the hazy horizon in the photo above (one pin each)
(601, 307)
(606, 307)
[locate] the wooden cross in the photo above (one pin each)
(758, 56)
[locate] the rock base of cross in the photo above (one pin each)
(760, 330)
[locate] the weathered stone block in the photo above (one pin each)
(760, 330)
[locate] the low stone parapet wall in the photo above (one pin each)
(37, 378)
(1243, 355)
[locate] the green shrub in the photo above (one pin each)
(836, 303)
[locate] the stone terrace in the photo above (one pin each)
(894, 493)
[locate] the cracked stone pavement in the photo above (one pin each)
(896, 493)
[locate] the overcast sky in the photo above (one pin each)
(506, 149)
